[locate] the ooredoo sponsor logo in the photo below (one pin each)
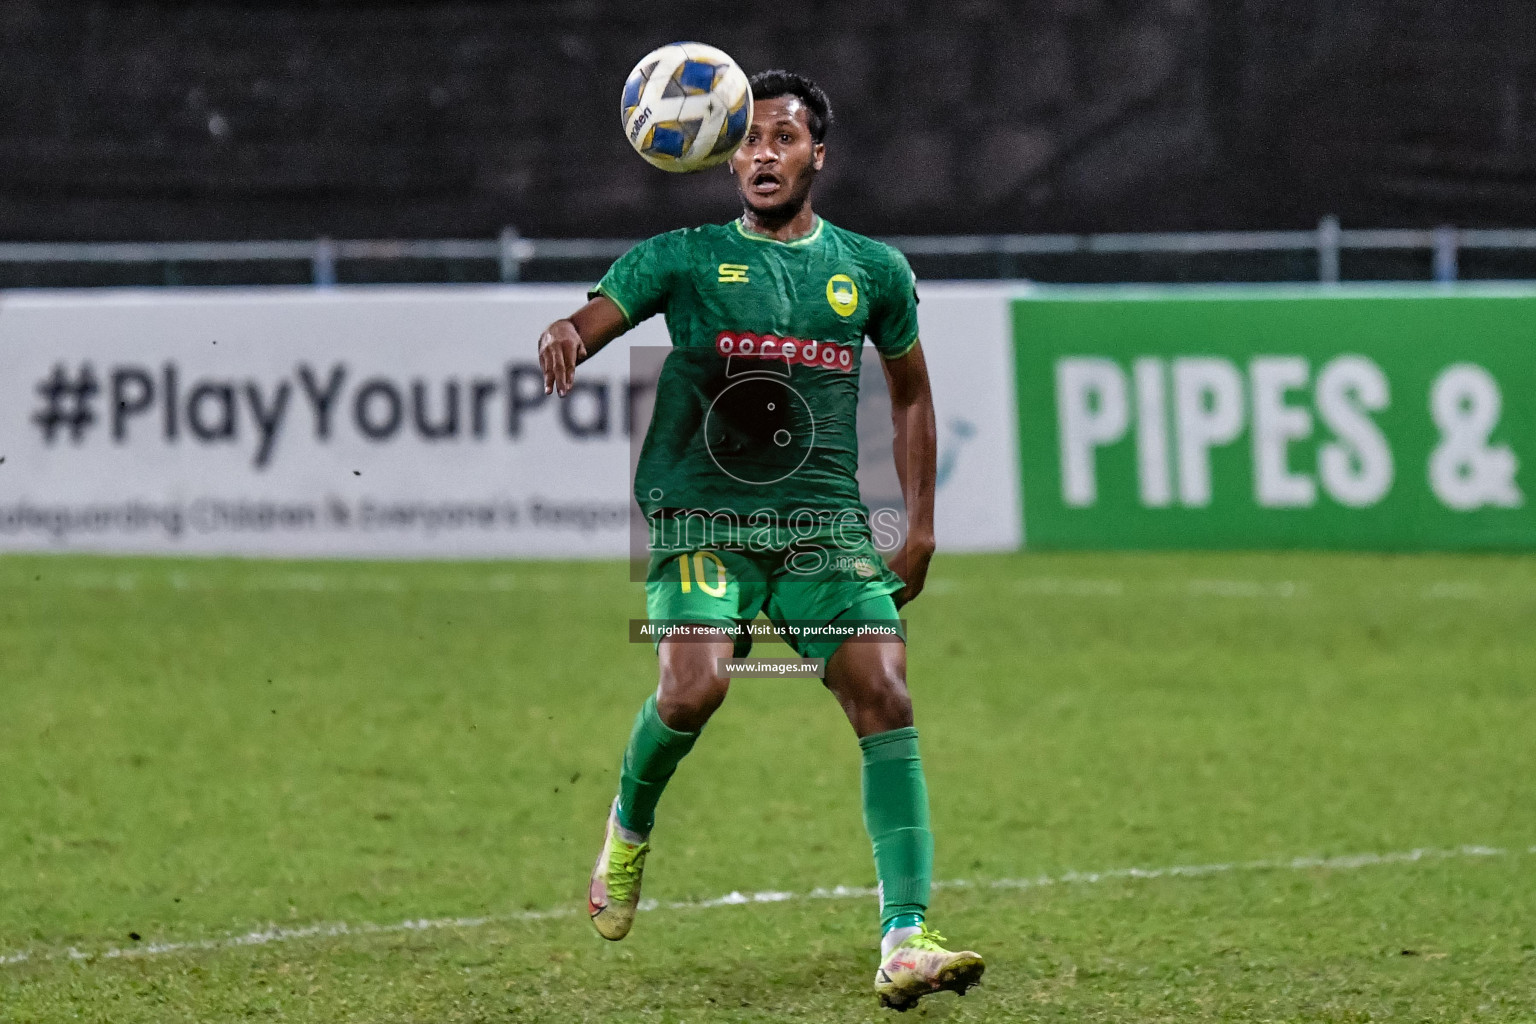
(825, 354)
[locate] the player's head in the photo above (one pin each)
(785, 144)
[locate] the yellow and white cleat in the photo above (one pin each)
(920, 966)
(614, 892)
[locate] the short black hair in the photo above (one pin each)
(767, 85)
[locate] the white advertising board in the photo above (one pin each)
(404, 422)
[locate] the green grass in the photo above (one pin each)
(195, 749)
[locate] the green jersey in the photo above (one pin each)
(755, 412)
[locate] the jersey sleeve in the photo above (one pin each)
(640, 280)
(893, 323)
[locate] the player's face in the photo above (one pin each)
(778, 159)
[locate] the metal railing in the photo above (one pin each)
(512, 253)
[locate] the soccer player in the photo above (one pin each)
(746, 477)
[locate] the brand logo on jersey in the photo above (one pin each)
(842, 294)
(825, 354)
(733, 273)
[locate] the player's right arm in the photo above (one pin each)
(576, 339)
(635, 288)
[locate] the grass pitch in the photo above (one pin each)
(254, 763)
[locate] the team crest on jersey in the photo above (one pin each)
(733, 273)
(842, 294)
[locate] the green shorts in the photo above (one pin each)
(801, 595)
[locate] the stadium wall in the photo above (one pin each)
(412, 423)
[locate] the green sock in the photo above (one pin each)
(649, 761)
(896, 816)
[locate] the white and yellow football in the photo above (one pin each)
(686, 107)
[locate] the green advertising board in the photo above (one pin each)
(1385, 420)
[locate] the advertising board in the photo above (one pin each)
(406, 422)
(1360, 419)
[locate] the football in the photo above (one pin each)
(686, 107)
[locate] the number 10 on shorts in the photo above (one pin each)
(698, 574)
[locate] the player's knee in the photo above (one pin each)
(690, 692)
(895, 702)
(886, 703)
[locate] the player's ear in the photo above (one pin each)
(818, 155)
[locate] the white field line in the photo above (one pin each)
(308, 582)
(1247, 588)
(513, 583)
(1051, 586)
(1057, 586)
(275, 934)
(1455, 590)
(1038, 586)
(1476, 590)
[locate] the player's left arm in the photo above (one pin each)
(916, 450)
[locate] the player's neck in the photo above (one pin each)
(783, 227)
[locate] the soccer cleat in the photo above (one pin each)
(920, 966)
(614, 892)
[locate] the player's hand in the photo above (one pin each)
(560, 349)
(911, 564)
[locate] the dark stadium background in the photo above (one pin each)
(223, 120)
